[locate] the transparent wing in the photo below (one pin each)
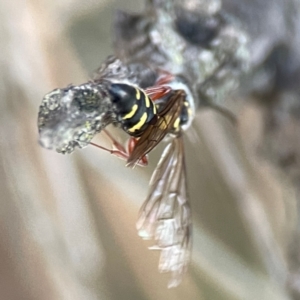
(161, 126)
(165, 215)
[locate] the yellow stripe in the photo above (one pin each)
(138, 94)
(147, 101)
(131, 113)
(176, 123)
(154, 109)
(139, 124)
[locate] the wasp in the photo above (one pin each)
(148, 116)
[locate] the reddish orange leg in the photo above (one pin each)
(115, 143)
(165, 77)
(157, 92)
(160, 88)
(117, 153)
(143, 161)
(120, 151)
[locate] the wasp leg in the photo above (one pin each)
(165, 77)
(157, 92)
(117, 153)
(160, 88)
(131, 145)
(120, 151)
(115, 143)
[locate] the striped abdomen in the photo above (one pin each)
(134, 109)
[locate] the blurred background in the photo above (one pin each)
(67, 222)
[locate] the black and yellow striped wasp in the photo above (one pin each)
(148, 116)
(72, 116)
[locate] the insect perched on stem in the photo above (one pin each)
(70, 118)
(148, 116)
